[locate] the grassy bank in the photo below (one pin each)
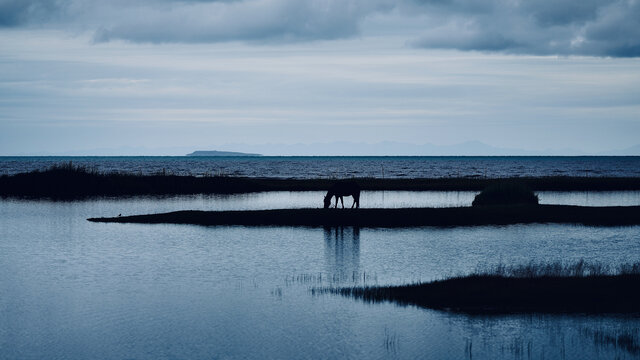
(579, 287)
(68, 181)
(462, 216)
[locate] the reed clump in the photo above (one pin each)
(580, 268)
(506, 193)
(68, 181)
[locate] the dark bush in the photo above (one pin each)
(506, 193)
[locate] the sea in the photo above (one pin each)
(295, 167)
(73, 289)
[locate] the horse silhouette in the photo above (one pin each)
(341, 189)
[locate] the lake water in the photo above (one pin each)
(302, 167)
(72, 289)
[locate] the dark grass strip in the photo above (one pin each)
(551, 291)
(68, 181)
(408, 217)
(593, 294)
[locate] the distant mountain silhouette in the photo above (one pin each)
(630, 151)
(220, 153)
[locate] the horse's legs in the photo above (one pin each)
(341, 201)
(336, 202)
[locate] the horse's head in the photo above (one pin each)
(327, 201)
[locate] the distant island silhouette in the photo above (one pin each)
(220, 153)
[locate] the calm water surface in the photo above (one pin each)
(71, 289)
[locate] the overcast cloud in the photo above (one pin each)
(541, 27)
(80, 75)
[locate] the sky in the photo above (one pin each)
(166, 77)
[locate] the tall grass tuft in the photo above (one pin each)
(580, 268)
(69, 168)
(506, 193)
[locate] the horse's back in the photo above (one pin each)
(346, 188)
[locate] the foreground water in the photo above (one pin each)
(300, 167)
(71, 289)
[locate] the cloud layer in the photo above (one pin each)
(541, 27)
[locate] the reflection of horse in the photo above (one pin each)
(342, 252)
(340, 189)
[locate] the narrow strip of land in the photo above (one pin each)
(73, 182)
(500, 294)
(407, 217)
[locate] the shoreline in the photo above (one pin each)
(393, 218)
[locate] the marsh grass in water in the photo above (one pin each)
(69, 181)
(535, 287)
(354, 277)
(580, 268)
